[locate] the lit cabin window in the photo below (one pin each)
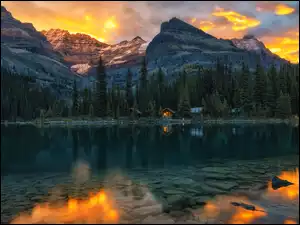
(166, 114)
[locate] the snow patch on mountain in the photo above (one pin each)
(81, 68)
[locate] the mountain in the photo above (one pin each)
(82, 51)
(179, 43)
(251, 44)
(16, 34)
(125, 52)
(75, 48)
(26, 51)
(56, 54)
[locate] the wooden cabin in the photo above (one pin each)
(197, 113)
(167, 113)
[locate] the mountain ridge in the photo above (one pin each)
(176, 45)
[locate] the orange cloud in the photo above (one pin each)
(203, 25)
(278, 8)
(283, 9)
(97, 19)
(238, 21)
(285, 46)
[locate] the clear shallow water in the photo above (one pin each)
(35, 161)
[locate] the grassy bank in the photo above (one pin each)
(99, 122)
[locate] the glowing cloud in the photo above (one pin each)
(203, 25)
(238, 21)
(283, 9)
(286, 46)
(206, 25)
(278, 8)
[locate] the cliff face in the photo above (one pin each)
(75, 48)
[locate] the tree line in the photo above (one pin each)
(221, 90)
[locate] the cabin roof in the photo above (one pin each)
(168, 109)
(196, 109)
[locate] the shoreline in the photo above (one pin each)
(97, 122)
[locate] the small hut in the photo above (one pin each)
(167, 113)
(197, 112)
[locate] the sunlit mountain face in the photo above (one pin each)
(274, 23)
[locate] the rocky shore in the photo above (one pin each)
(98, 122)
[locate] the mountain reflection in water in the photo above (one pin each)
(28, 149)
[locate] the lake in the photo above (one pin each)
(191, 161)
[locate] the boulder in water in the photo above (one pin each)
(278, 183)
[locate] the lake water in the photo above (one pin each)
(170, 161)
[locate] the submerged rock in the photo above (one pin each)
(278, 183)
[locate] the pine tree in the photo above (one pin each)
(129, 94)
(295, 99)
(284, 106)
(42, 116)
(260, 87)
(143, 87)
(272, 90)
(109, 103)
(117, 103)
(70, 112)
(75, 100)
(282, 79)
(100, 104)
(49, 112)
(220, 108)
(184, 107)
(85, 103)
(244, 90)
(91, 110)
(160, 88)
(200, 85)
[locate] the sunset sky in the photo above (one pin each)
(274, 23)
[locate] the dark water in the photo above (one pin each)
(167, 159)
(32, 150)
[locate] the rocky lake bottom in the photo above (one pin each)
(177, 194)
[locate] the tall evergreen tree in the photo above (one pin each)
(282, 79)
(85, 102)
(272, 90)
(75, 107)
(100, 105)
(117, 103)
(260, 87)
(143, 87)
(284, 106)
(129, 93)
(184, 107)
(160, 89)
(245, 93)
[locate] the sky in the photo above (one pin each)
(276, 23)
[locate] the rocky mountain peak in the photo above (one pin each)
(176, 25)
(138, 39)
(249, 43)
(249, 36)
